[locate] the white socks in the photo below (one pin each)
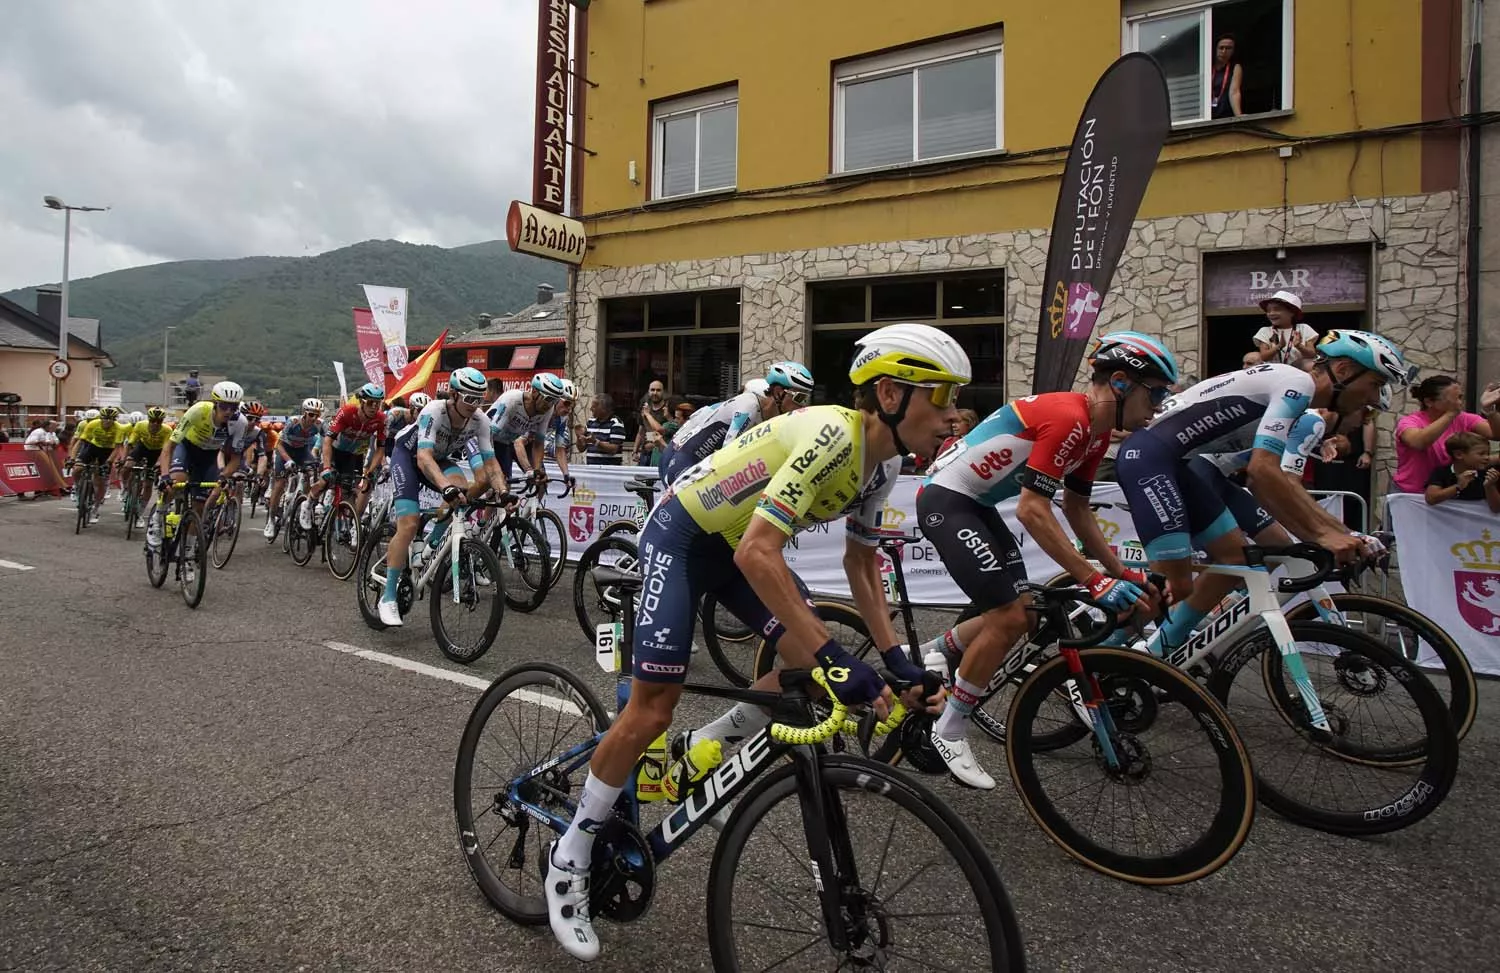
(575, 849)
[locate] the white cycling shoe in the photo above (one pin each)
(568, 909)
(390, 613)
(961, 763)
(269, 531)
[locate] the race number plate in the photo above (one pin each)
(607, 636)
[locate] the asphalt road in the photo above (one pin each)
(222, 789)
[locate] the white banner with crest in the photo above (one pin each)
(1450, 570)
(388, 309)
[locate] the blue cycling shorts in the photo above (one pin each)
(1177, 505)
(200, 465)
(1247, 512)
(407, 480)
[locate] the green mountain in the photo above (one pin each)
(275, 322)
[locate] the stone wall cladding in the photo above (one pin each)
(1156, 289)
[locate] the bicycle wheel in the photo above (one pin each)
(556, 536)
(192, 558)
(85, 488)
(226, 531)
(1415, 637)
(627, 529)
(732, 652)
(1207, 802)
(549, 711)
(469, 628)
(132, 503)
(341, 537)
(369, 575)
(1374, 776)
(594, 603)
(902, 855)
(300, 540)
(524, 559)
(157, 562)
(845, 625)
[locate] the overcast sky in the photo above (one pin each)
(227, 129)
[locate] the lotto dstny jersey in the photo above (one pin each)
(197, 428)
(1236, 413)
(141, 434)
(434, 430)
(297, 436)
(351, 432)
(709, 428)
(104, 436)
(1040, 442)
(510, 421)
(794, 470)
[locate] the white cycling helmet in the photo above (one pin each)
(549, 385)
(914, 353)
(758, 387)
(90, 414)
(418, 400)
(227, 392)
(310, 404)
(467, 381)
(570, 391)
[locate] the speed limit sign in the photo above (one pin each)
(59, 369)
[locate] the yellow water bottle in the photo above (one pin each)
(172, 520)
(653, 765)
(701, 758)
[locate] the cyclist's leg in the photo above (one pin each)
(406, 512)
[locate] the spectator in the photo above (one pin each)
(967, 420)
(1420, 437)
(1286, 338)
(604, 436)
(191, 387)
(1251, 359)
(41, 442)
(679, 419)
(1228, 75)
(654, 415)
(1344, 464)
(1470, 476)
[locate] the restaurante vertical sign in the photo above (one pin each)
(549, 168)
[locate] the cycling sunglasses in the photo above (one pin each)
(940, 394)
(469, 398)
(1159, 394)
(796, 396)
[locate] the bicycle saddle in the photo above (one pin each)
(625, 580)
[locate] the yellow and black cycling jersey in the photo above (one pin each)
(141, 434)
(96, 433)
(196, 428)
(795, 470)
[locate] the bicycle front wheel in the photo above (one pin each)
(341, 537)
(300, 540)
(522, 554)
(1177, 815)
(192, 558)
(551, 526)
(595, 603)
(83, 485)
(226, 532)
(157, 561)
(904, 860)
(370, 575)
(465, 627)
(728, 641)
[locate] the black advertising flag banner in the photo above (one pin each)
(1124, 124)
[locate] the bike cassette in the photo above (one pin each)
(623, 878)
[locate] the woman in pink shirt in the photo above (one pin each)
(1421, 436)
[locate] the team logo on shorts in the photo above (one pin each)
(934, 520)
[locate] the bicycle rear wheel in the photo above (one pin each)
(192, 558)
(158, 561)
(903, 858)
(1197, 834)
(341, 540)
(1391, 755)
(226, 531)
(594, 603)
(300, 540)
(523, 556)
(469, 628)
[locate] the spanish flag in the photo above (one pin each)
(419, 371)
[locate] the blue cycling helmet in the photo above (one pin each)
(1370, 350)
(548, 384)
(1136, 353)
(790, 375)
(467, 381)
(370, 392)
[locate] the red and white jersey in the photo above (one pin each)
(1041, 442)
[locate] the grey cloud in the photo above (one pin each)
(219, 130)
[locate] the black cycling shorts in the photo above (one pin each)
(974, 544)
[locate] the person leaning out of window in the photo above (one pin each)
(1470, 475)
(1224, 86)
(603, 439)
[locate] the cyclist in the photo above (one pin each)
(426, 454)
(721, 527)
(146, 441)
(1179, 506)
(206, 430)
(788, 385)
(98, 441)
(524, 414)
(1031, 448)
(348, 452)
(256, 437)
(293, 449)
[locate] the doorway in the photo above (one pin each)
(1227, 337)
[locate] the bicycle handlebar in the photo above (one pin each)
(1056, 598)
(836, 723)
(1322, 561)
(568, 484)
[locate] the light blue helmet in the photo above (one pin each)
(1374, 352)
(550, 385)
(467, 381)
(790, 375)
(1137, 353)
(370, 392)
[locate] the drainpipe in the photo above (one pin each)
(575, 189)
(1471, 367)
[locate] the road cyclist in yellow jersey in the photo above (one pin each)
(722, 527)
(206, 429)
(144, 447)
(99, 442)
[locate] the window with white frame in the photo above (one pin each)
(694, 143)
(1222, 60)
(919, 104)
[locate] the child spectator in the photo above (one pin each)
(1470, 476)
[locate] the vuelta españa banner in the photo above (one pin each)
(1124, 124)
(388, 307)
(1450, 560)
(371, 349)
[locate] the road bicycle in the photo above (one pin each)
(138, 478)
(259, 484)
(534, 509)
(85, 498)
(221, 522)
(462, 575)
(336, 527)
(301, 483)
(521, 549)
(879, 858)
(183, 550)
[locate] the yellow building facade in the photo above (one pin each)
(769, 179)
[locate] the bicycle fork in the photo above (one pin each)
(1094, 710)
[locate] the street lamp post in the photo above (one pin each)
(52, 202)
(166, 333)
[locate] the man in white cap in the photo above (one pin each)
(1286, 338)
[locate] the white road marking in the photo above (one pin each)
(16, 566)
(448, 675)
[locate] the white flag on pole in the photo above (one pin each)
(1450, 570)
(388, 308)
(338, 368)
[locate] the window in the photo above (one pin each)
(970, 307)
(1186, 40)
(689, 341)
(694, 142)
(552, 357)
(452, 358)
(920, 104)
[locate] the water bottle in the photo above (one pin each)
(937, 661)
(172, 520)
(418, 552)
(653, 766)
(701, 758)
